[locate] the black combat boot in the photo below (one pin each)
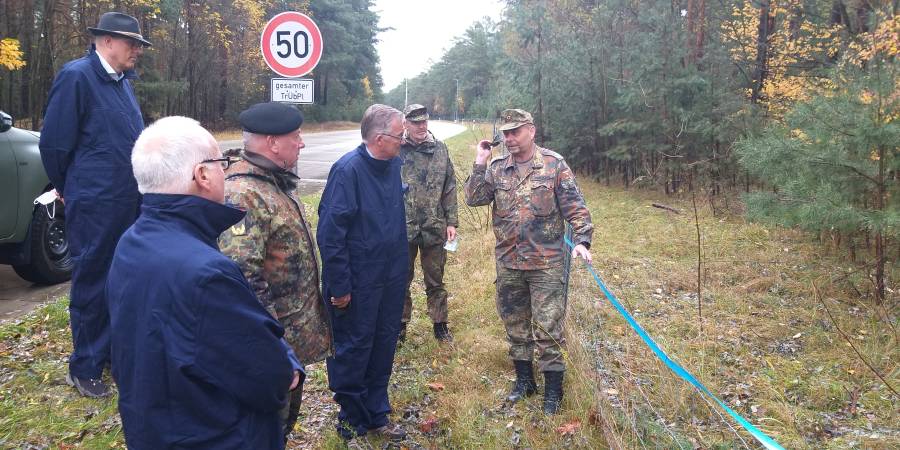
(553, 392)
(525, 385)
(442, 333)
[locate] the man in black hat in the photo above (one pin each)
(272, 243)
(90, 125)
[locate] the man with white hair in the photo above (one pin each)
(198, 360)
(362, 240)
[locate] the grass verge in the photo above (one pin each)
(764, 344)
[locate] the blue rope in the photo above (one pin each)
(765, 440)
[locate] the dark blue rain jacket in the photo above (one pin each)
(90, 127)
(362, 224)
(198, 361)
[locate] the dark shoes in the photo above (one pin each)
(442, 333)
(391, 431)
(402, 337)
(359, 443)
(553, 392)
(525, 385)
(88, 387)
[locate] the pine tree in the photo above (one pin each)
(834, 161)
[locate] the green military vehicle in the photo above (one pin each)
(32, 236)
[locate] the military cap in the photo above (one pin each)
(415, 112)
(270, 119)
(510, 119)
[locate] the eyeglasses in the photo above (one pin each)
(225, 161)
(399, 138)
(130, 43)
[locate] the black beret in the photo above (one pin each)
(271, 119)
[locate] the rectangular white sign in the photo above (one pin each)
(292, 90)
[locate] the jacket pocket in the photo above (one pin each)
(504, 198)
(543, 199)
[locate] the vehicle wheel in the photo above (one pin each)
(50, 259)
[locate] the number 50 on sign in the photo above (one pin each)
(291, 44)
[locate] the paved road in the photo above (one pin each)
(18, 297)
(323, 149)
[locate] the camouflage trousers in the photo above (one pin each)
(291, 412)
(532, 305)
(433, 258)
(309, 348)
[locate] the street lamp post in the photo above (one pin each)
(456, 102)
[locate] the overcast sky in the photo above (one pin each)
(422, 31)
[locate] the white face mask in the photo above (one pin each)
(47, 199)
(451, 246)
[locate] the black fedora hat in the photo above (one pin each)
(118, 24)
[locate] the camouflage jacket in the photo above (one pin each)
(528, 213)
(431, 199)
(277, 253)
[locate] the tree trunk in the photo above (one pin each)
(879, 237)
(539, 121)
(764, 29)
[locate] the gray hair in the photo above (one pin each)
(377, 120)
(166, 153)
(253, 141)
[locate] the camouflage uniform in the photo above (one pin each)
(277, 253)
(528, 218)
(430, 208)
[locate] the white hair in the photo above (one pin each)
(166, 153)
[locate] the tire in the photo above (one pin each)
(51, 262)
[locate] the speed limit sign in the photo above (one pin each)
(291, 44)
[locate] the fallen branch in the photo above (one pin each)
(667, 208)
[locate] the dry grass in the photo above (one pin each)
(806, 391)
(766, 347)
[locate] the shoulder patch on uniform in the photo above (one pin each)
(239, 229)
(548, 152)
(501, 157)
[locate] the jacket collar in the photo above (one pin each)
(203, 218)
(101, 71)
(261, 166)
(426, 146)
(379, 165)
(537, 161)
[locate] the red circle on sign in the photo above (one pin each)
(315, 37)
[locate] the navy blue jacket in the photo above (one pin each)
(362, 224)
(198, 360)
(89, 129)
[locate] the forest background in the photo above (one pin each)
(793, 102)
